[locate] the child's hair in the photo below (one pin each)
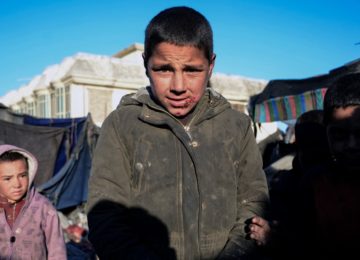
(180, 26)
(12, 156)
(310, 137)
(309, 127)
(343, 92)
(311, 116)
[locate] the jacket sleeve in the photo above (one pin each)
(109, 217)
(252, 196)
(54, 236)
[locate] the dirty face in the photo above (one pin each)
(344, 136)
(14, 180)
(178, 76)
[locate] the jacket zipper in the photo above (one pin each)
(187, 126)
(187, 131)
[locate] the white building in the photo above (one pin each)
(89, 83)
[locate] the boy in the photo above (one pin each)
(176, 171)
(29, 224)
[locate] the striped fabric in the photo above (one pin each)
(289, 107)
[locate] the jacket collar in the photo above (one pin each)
(210, 105)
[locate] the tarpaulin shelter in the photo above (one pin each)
(283, 100)
(69, 187)
(73, 127)
(63, 148)
(43, 142)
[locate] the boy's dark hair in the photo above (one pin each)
(343, 92)
(11, 156)
(180, 26)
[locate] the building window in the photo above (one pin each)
(67, 101)
(30, 108)
(62, 102)
(21, 107)
(44, 106)
(16, 110)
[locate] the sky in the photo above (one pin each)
(258, 39)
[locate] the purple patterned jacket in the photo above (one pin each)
(36, 233)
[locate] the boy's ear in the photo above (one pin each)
(213, 58)
(145, 64)
(212, 64)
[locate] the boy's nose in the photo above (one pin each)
(178, 83)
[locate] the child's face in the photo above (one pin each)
(14, 180)
(344, 136)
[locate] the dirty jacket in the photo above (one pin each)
(36, 233)
(160, 190)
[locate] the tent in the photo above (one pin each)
(69, 186)
(63, 148)
(283, 100)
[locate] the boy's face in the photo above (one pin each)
(344, 136)
(14, 180)
(179, 76)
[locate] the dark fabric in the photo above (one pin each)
(70, 186)
(7, 115)
(43, 142)
(330, 213)
(73, 128)
(77, 251)
(55, 122)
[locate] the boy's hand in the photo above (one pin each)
(261, 230)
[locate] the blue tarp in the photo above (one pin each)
(43, 142)
(70, 139)
(63, 148)
(69, 187)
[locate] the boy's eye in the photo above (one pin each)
(193, 70)
(162, 69)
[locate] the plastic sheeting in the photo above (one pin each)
(73, 127)
(43, 142)
(283, 100)
(69, 187)
(63, 148)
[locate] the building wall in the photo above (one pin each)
(100, 103)
(78, 101)
(95, 84)
(117, 95)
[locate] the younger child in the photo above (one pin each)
(29, 224)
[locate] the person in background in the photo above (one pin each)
(330, 208)
(327, 222)
(29, 224)
(176, 171)
(278, 232)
